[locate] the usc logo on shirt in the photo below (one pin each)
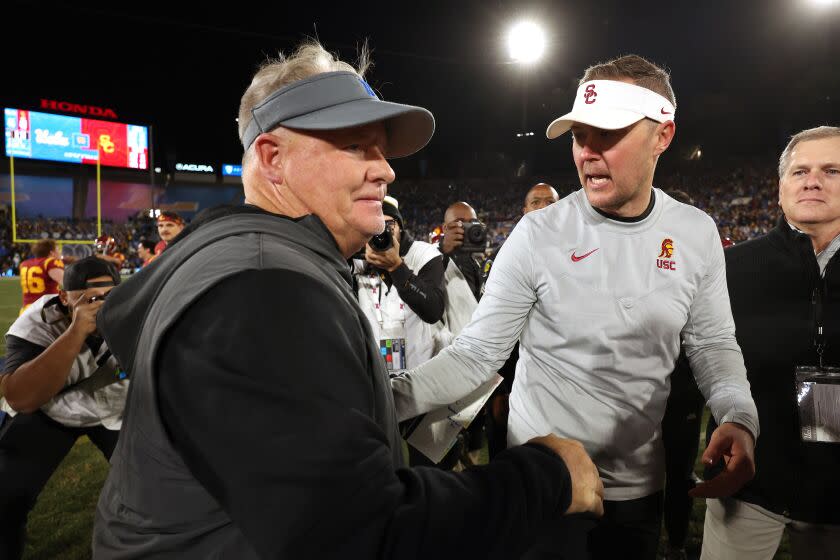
(665, 254)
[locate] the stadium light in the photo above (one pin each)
(823, 2)
(526, 42)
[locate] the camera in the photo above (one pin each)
(384, 240)
(475, 237)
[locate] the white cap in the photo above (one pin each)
(612, 105)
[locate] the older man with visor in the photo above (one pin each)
(599, 289)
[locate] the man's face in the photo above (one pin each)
(340, 176)
(615, 167)
(167, 230)
(809, 190)
(539, 197)
(396, 229)
(73, 297)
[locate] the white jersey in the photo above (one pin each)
(76, 408)
(599, 307)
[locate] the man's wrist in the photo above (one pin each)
(396, 266)
(75, 336)
(743, 428)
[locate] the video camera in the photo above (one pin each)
(475, 237)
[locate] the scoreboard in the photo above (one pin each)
(36, 135)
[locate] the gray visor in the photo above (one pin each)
(335, 100)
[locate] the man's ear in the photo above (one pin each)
(664, 135)
(269, 151)
(62, 296)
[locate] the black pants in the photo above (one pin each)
(629, 530)
(681, 438)
(31, 448)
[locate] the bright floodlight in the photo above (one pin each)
(526, 42)
(823, 2)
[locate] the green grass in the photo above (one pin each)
(10, 301)
(60, 525)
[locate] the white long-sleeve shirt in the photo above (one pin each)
(599, 307)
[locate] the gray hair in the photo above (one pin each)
(309, 59)
(818, 133)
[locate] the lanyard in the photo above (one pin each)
(376, 283)
(819, 336)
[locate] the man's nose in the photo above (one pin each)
(589, 150)
(813, 180)
(381, 170)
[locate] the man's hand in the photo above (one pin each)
(453, 237)
(84, 315)
(388, 260)
(587, 488)
(736, 444)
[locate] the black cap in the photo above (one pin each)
(76, 275)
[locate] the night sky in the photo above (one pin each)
(747, 73)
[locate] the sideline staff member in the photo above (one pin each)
(781, 284)
(599, 288)
(59, 383)
(292, 449)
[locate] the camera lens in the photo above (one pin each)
(384, 240)
(476, 233)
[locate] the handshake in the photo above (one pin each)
(587, 488)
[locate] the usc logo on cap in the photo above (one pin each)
(665, 254)
(590, 94)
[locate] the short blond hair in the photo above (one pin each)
(641, 71)
(309, 59)
(818, 133)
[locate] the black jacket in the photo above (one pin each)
(259, 426)
(773, 281)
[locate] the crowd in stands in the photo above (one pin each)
(69, 233)
(743, 203)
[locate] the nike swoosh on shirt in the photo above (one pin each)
(576, 258)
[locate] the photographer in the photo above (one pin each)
(59, 383)
(401, 305)
(464, 235)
